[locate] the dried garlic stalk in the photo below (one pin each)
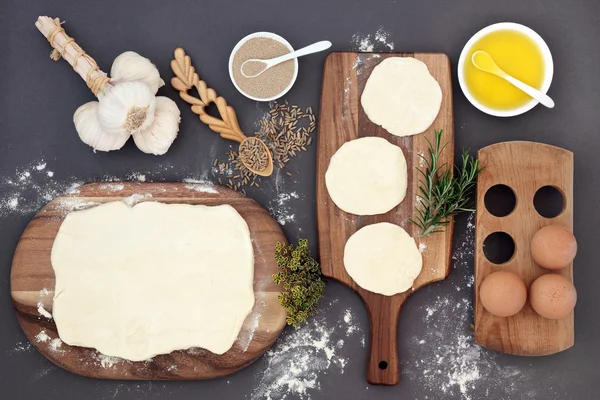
(127, 104)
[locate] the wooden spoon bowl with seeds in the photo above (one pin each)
(254, 153)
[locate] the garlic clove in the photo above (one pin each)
(130, 66)
(160, 135)
(126, 108)
(91, 133)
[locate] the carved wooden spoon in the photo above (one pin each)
(254, 153)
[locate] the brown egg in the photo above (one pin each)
(553, 247)
(503, 293)
(553, 296)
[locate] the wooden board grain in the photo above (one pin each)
(32, 285)
(525, 167)
(342, 119)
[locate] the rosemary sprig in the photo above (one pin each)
(301, 278)
(442, 194)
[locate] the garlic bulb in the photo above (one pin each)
(91, 133)
(126, 107)
(160, 135)
(130, 66)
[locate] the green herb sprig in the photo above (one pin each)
(302, 281)
(442, 194)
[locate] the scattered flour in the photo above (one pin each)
(44, 298)
(107, 361)
(116, 187)
(378, 41)
(30, 188)
(42, 311)
(74, 204)
(297, 363)
(42, 337)
(136, 177)
(20, 347)
(448, 364)
(136, 198)
(42, 373)
(55, 345)
(200, 186)
(281, 209)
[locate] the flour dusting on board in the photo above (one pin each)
(200, 186)
(136, 198)
(108, 361)
(297, 363)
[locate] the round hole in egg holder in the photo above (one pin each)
(525, 167)
(499, 248)
(549, 201)
(500, 200)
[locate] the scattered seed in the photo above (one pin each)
(285, 130)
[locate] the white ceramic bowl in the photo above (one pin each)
(549, 66)
(266, 35)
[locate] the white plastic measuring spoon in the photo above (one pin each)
(484, 61)
(254, 67)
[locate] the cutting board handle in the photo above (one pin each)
(383, 367)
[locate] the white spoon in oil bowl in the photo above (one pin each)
(484, 61)
(254, 67)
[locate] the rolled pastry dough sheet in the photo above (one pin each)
(402, 96)
(148, 280)
(367, 176)
(383, 258)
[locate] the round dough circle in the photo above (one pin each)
(402, 96)
(382, 258)
(367, 176)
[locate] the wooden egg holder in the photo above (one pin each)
(525, 167)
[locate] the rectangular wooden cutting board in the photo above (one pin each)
(32, 285)
(342, 119)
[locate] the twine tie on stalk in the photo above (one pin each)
(96, 82)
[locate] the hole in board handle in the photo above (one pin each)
(383, 364)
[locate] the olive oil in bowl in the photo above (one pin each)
(519, 56)
(517, 50)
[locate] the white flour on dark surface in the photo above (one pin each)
(299, 360)
(281, 208)
(20, 347)
(446, 361)
(31, 187)
(379, 41)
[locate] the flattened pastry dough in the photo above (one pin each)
(367, 176)
(383, 258)
(402, 96)
(148, 280)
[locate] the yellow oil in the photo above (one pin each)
(517, 55)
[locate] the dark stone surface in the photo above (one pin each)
(38, 98)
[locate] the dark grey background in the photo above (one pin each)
(38, 98)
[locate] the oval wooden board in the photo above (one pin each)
(342, 119)
(32, 285)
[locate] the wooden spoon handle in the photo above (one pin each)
(383, 367)
(185, 79)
